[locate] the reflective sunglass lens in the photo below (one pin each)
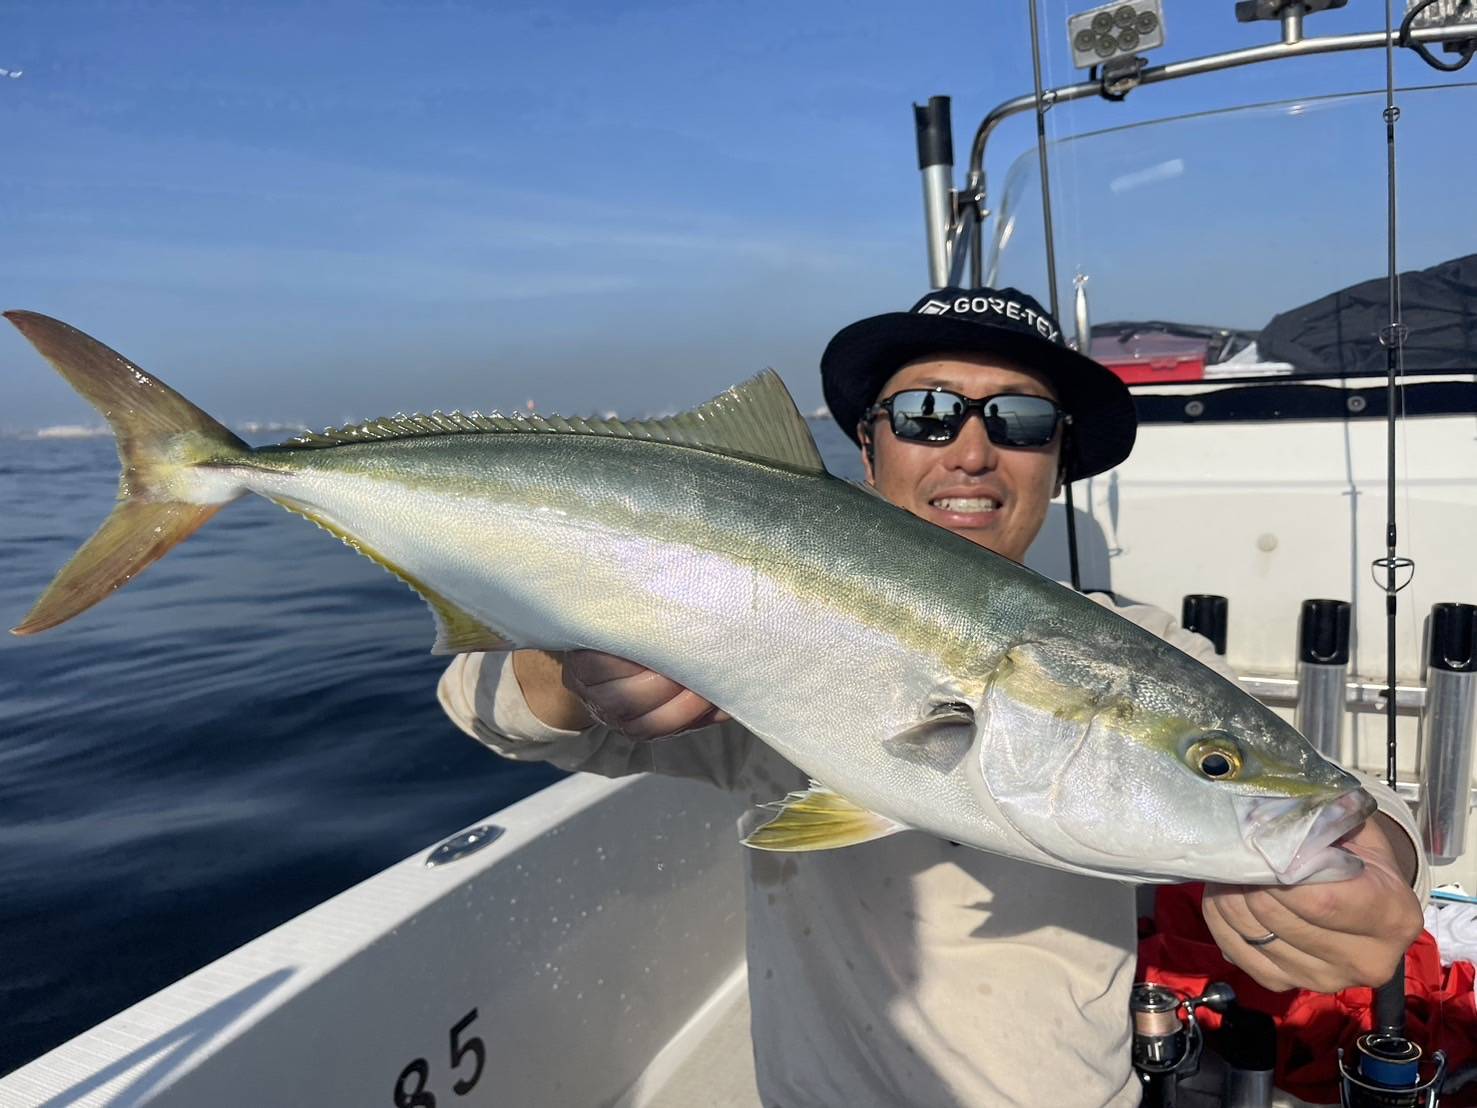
(926, 415)
(1020, 420)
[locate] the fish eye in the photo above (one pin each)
(1215, 764)
(1216, 756)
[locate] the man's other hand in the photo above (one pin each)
(1329, 936)
(573, 691)
(634, 700)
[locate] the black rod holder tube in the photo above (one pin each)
(1322, 673)
(1448, 730)
(935, 132)
(936, 163)
(1248, 1043)
(1206, 614)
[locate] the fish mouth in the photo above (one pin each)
(1298, 838)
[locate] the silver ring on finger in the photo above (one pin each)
(1269, 937)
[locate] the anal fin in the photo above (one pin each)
(816, 819)
(456, 631)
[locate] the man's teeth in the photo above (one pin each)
(966, 504)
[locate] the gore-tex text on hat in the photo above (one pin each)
(999, 305)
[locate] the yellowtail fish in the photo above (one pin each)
(921, 681)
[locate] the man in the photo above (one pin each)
(909, 970)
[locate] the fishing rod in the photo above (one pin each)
(1385, 1066)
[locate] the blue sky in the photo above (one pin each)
(343, 210)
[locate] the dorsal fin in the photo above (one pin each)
(757, 419)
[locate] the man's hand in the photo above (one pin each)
(574, 690)
(634, 700)
(1330, 936)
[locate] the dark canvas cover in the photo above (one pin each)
(1338, 334)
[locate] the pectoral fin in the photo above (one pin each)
(940, 739)
(816, 819)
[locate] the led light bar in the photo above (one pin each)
(1443, 13)
(1115, 30)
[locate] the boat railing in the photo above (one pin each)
(955, 218)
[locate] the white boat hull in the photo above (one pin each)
(586, 950)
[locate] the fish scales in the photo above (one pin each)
(700, 557)
(922, 681)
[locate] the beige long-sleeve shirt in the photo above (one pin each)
(906, 970)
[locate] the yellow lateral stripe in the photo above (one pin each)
(457, 632)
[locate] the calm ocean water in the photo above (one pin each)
(248, 729)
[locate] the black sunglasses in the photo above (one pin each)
(938, 415)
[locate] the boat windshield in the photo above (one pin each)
(1252, 242)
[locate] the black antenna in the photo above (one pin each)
(1051, 273)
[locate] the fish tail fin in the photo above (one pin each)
(160, 436)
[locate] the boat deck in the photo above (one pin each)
(710, 1064)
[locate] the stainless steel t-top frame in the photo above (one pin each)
(954, 218)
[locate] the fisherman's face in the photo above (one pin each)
(996, 496)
